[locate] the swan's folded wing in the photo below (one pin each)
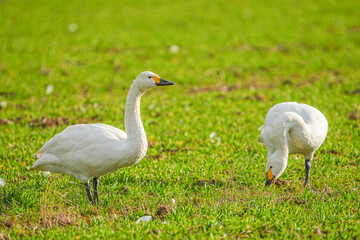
(81, 136)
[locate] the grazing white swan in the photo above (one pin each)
(290, 128)
(93, 150)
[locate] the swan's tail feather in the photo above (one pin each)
(35, 155)
(44, 162)
(259, 140)
(32, 169)
(36, 166)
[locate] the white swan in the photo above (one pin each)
(93, 150)
(290, 128)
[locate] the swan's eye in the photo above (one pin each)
(149, 77)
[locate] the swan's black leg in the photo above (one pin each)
(307, 174)
(96, 184)
(88, 192)
(307, 171)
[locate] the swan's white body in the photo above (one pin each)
(290, 128)
(93, 150)
(90, 150)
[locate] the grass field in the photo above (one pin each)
(236, 59)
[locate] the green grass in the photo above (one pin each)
(236, 60)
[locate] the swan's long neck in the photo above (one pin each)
(280, 157)
(133, 125)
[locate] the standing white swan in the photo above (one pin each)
(290, 128)
(93, 150)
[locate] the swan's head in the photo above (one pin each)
(274, 168)
(147, 80)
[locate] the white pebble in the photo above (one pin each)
(174, 49)
(3, 104)
(173, 201)
(49, 89)
(73, 27)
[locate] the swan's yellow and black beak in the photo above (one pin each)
(269, 178)
(161, 82)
